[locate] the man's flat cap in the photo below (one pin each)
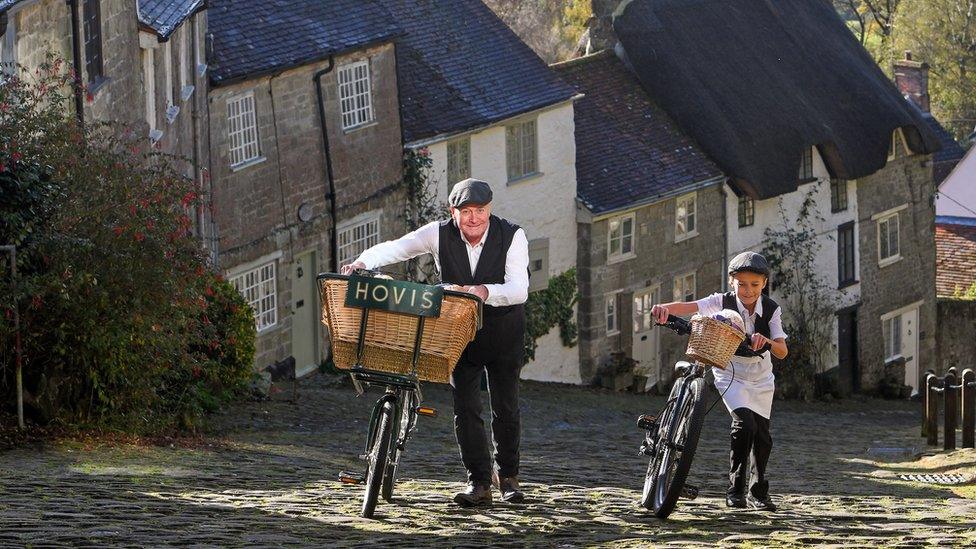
(469, 191)
(749, 261)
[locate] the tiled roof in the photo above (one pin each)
(255, 37)
(164, 16)
(955, 258)
(627, 149)
(460, 67)
(951, 151)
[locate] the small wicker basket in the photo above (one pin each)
(390, 336)
(713, 342)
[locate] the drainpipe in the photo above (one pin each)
(79, 65)
(334, 259)
(12, 250)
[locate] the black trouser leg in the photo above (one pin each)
(469, 427)
(762, 444)
(506, 427)
(742, 435)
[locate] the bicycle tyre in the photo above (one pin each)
(377, 459)
(685, 428)
(398, 434)
(650, 477)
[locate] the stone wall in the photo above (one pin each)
(955, 335)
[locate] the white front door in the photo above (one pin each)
(646, 337)
(909, 339)
(304, 310)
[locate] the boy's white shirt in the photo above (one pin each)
(753, 383)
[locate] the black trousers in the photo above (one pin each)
(750, 436)
(497, 350)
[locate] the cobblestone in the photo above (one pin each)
(266, 476)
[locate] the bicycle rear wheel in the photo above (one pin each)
(377, 458)
(676, 450)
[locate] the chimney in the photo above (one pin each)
(912, 79)
(601, 36)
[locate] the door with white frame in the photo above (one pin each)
(900, 334)
(646, 343)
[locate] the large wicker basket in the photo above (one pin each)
(713, 342)
(390, 336)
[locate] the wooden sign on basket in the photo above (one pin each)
(395, 296)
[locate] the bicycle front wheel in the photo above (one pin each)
(676, 450)
(399, 436)
(377, 457)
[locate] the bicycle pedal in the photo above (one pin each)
(426, 411)
(689, 491)
(351, 478)
(645, 422)
(646, 450)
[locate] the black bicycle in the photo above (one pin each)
(671, 437)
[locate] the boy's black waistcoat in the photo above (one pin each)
(503, 329)
(762, 322)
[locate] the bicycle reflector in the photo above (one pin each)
(426, 411)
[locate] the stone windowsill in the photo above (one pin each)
(247, 164)
(525, 178)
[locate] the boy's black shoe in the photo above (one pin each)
(737, 501)
(761, 504)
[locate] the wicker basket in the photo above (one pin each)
(713, 342)
(390, 336)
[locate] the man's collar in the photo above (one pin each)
(481, 242)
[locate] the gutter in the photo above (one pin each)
(331, 195)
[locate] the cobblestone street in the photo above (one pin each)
(267, 476)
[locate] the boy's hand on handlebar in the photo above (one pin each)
(348, 269)
(660, 314)
(759, 341)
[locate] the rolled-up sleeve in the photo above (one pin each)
(710, 305)
(515, 289)
(413, 244)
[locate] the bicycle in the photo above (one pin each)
(393, 334)
(671, 437)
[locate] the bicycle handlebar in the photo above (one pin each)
(678, 325)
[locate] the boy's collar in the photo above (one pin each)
(742, 308)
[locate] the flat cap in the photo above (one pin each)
(749, 261)
(469, 191)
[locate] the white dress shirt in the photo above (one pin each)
(513, 291)
(754, 382)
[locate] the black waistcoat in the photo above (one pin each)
(503, 329)
(762, 322)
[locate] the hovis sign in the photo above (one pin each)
(394, 295)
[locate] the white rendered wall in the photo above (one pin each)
(957, 194)
(544, 205)
(768, 215)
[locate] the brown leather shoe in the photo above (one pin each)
(509, 487)
(474, 495)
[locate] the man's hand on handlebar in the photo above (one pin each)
(350, 268)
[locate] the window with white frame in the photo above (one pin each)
(242, 129)
(806, 164)
(521, 150)
(684, 287)
(538, 264)
(149, 86)
(620, 238)
(685, 218)
(356, 237)
(259, 288)
(891, 328)
(8, 44)
(355, 99)
(612, 315)
(888, 242)
(458, 161)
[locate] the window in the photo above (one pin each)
(538, 264)
(354, 95)
(747, 211)
(620, 238)
(685, 224)
(806, 164)
(613, 317)
(891, 328)
(895, 143)
(258, 286)
(355, 237)
(93, 39)
(888, 244)
(684, 287)
(845, 255)
(149, 87)
(838, 195)
(8, 44)
(458, 161)
(243, 129)
(520, 150)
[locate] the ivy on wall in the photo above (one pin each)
(550, 307)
